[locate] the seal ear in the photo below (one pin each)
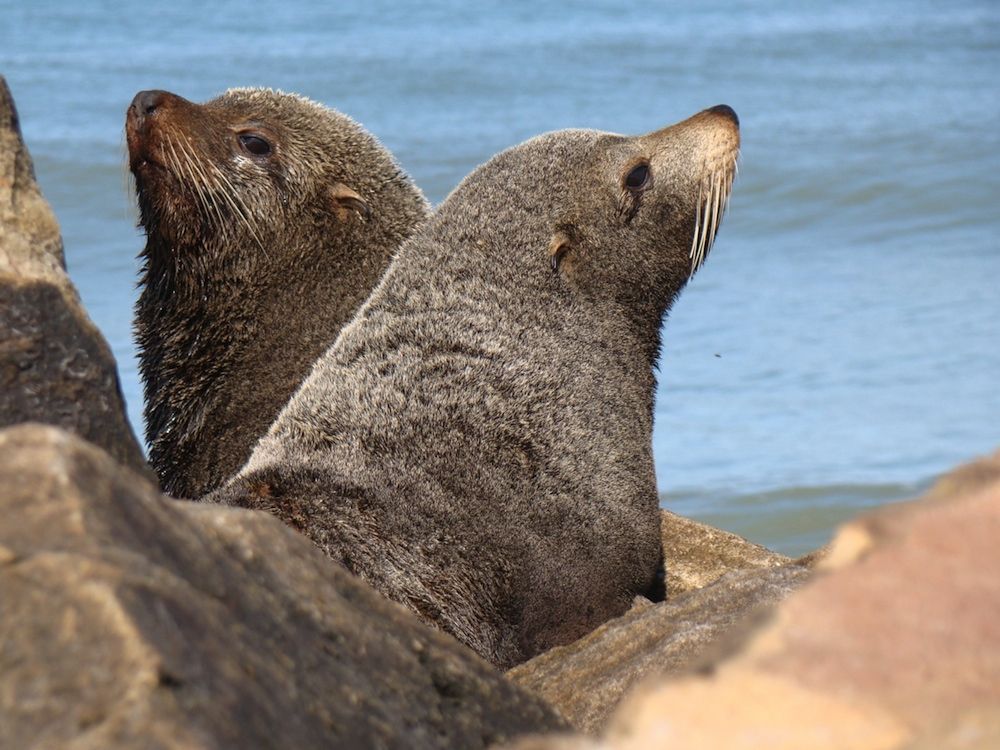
(346, 200)
(560, 244)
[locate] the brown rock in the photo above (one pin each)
(55, 367)
(131, 620)
(814, 558)
(697, 554)
(716, 582)
(967, 479)
(585, 680)
(896, 644)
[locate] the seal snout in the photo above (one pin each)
(724, 110)
(145, 103)
(138, 121)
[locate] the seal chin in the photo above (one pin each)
(142, 165)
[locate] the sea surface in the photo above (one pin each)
(840, 348)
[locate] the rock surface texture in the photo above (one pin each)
(55, 367)
(585, 680)
(894, 644)
(131, 620)
(716, 583)
(697, 554)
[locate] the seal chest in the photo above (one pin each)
(477, 443)
(269, 218)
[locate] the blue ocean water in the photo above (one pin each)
(842, 344)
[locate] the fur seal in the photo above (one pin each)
(269, 218)
(477, 442)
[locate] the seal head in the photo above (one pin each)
(477, 443)
(269, 218)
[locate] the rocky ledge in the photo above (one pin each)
(585, 680)
(718, 585)
(895, 643)
(132, 620)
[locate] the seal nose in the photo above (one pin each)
(146, 103)
(139, 127)
(725, 111)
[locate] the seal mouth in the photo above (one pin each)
(143, 163)
(713, 200)
(142, 150)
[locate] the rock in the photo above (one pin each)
(585, 680)
(132, 620)
(697, 554)
(814, 558)
(967, 479)
(895, 643)
(716, 582)
(55, 367)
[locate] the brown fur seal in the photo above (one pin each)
(477, 443)
(269, 219)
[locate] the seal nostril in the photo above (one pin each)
(146, 103)
(726, 111)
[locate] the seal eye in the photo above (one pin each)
(638, 177)
(255, 145)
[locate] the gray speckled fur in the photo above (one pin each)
(477, 443)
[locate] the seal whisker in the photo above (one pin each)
(128, 178)
(728, 192)
(224, 188)
(185, 170)
(706, 218)
(713, 207)
(182, 167)
(203, 185)
(232, 195)
(697, 228)
(720, 197)
(716, 202)
(706, 230)
(179, 167)
(716, 207)
(703, 227)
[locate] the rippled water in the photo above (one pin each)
(840, 347)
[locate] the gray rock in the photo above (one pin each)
(697, 554)
(55, 367)
(586, 680)
(131, 620)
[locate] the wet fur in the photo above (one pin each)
(251, 267)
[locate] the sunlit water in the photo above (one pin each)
(839, 349)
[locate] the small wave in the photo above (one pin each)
(815, 495)
(791, 520)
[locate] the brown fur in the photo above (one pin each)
(252, 263)
(477, 443)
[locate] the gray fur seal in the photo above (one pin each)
(269, 219)
(477, 443)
